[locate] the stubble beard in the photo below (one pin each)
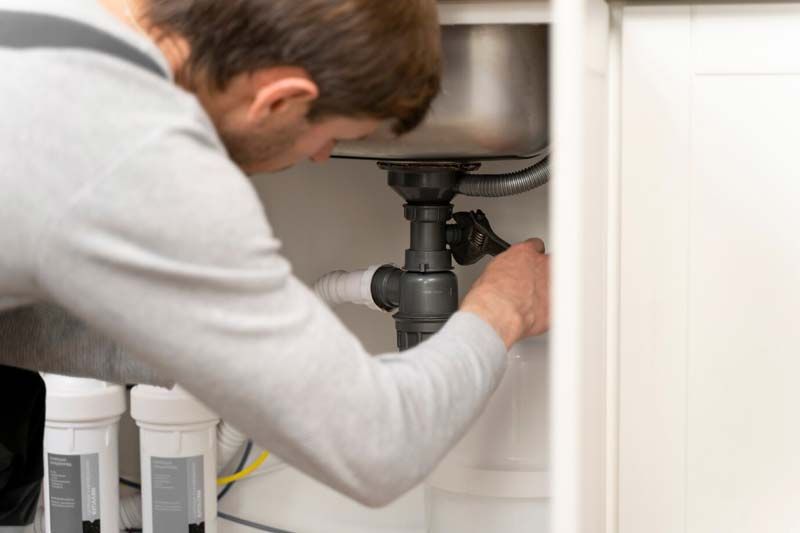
(253, 150)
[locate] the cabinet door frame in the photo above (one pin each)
(582, 221)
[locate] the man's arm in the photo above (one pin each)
(171, 257)
(45, 338)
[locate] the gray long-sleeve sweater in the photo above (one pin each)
(119, 205)
(46, 338)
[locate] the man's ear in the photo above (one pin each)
(277, 94)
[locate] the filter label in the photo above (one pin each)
(178, 494)
(74, 493)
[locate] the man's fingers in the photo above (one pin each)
(538, 244)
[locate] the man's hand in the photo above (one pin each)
(513, 294)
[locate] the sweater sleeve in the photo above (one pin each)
(45, 338)
(170, 255)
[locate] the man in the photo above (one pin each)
(123, 199)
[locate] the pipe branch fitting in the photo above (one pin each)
(341, 287)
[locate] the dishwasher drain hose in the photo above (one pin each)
(497, 185)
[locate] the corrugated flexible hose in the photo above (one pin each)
(497, 185)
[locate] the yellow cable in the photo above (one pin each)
(244, 473)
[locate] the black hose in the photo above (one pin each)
(129, 483)
(250, 524)
(497, 185)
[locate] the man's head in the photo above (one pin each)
(284, 80)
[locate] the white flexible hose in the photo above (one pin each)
(38, 522)
(130, 512)
(341, 287)
(229, 443)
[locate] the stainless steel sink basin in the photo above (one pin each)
(494, 103)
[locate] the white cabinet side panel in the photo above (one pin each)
(579, 218)
(494, 11)
(655, 218)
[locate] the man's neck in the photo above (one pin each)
(130, 13)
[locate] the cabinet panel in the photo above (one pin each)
(748, 39)
(494, 11)
(743, 466)
(710, 270)
(653, 270)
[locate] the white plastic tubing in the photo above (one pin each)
(341, 287)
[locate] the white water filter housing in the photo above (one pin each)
(178, 448)
(81, 451)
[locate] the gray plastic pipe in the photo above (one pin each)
(497, 185)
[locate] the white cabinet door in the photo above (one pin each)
(709, 420)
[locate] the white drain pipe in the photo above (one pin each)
(341, 287)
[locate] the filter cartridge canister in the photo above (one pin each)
(178, 446)
(81, 489)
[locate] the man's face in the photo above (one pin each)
(262, 118)
(277, 145)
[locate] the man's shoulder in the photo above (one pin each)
(74, 99)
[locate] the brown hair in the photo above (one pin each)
(375, 58)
